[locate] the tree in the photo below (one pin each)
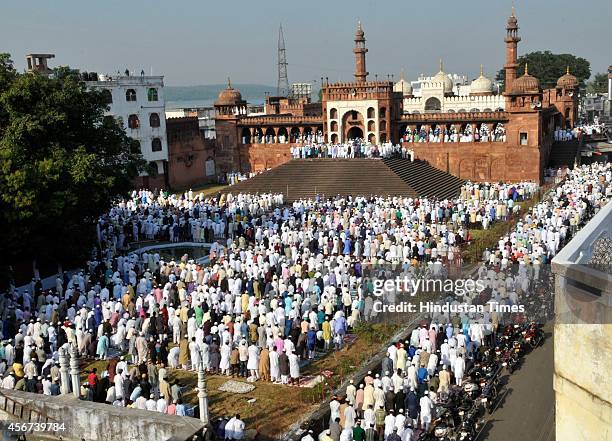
(548, 67)
(599, 84)
(62, 163)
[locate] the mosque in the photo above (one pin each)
(480, 135)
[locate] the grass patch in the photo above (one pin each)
(207, 189)
(489, 238)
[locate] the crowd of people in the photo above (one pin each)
(282, 282)
(308, 137)
(450, 133)
(405, 395)
(357, 148)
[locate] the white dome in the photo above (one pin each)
(481, 84)
(403, 86)
(441, 77)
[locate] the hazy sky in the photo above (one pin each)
(202, 41)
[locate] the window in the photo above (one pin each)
(334, 126)
(156, 145)
(333, 114)
(523, 138)
(133, 121)
(433, 105)
(371, 127)
(354, 115)
(370, 112)
(130, 95)
(152, 94)
(383, 112)
(154, 120)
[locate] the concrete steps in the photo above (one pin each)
(305, 178)
(563, 154)
(426, 180)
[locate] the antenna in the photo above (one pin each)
(282, 86)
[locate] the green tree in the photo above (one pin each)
(599, 84)
(548, 67)
(62, 163)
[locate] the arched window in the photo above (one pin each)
(371, 126)
(130, 95)
(156, 145)
(133, 121)
(333, 114)
(433, 105)
(334, 139)
(334, 126)
(152, 94)
(370, 112)
(383, 112)
(154, 120)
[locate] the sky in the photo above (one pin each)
(194, 42)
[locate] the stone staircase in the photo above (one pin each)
(563, 154)
(425, 179)
(326, 177)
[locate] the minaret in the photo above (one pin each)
(511, 40)
(360, 60)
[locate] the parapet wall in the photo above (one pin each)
(85, 420)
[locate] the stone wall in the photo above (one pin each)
(583, 338)
(257, 157)
(482, 161)
(188, 153)
(85, 420)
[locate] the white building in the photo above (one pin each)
(450, 93)
(137, 102)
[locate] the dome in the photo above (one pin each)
(228, 96)
(526, 84)
(441, 77)
(481, 85)
(567, 81)
(403, 86)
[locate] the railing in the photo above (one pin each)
(28, 414)
(455, 117)
(280, 119)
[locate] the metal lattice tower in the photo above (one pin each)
(282, 86)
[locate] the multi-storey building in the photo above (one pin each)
(137, 102)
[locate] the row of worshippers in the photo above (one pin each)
(353, 149)
(189, 217)
(307, 137)
(481, 133)
(235, 177)
(548, 225)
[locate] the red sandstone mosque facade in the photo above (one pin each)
(381, 111)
